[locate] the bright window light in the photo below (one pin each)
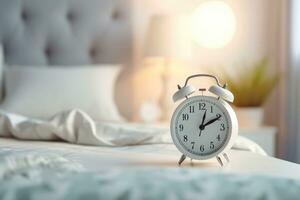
(213, 24)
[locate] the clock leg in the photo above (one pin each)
(182, 158)
(226, 157)
(220, 161)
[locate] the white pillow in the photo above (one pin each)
(41, 92)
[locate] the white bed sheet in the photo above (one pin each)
(94, 158)
(121, 145)
(75, 126)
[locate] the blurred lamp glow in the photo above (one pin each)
(213, 24)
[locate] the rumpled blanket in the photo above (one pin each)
(75, 126)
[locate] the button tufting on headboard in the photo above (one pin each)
(48, 51)
(24, 15)
(93, 53)
(115, 14)
(51, 19)
(71, 16)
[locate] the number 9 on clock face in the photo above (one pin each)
(202, 127)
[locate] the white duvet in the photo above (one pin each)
(77, 127)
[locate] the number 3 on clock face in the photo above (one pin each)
(202, 126)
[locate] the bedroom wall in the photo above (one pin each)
(259, 33)
(251, 40)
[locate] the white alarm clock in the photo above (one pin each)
(203, 127)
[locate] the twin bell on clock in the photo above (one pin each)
(204, 126)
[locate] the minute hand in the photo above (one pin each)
(212, 121)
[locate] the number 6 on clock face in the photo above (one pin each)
(203, 126)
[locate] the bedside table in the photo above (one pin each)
(263, 136)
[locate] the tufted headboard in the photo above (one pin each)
(67, 32)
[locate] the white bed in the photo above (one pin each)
(119, 144)
(126, 161)
(159, 155)
(56, 170)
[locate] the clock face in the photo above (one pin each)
(201, 127)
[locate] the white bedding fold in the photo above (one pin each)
(75, 126)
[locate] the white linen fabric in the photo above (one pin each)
(1, 71)
(38, 170)
(77, 127)
(94, 158)
(41, 92)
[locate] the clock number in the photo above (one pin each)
(222, 128)
(193, 144)
(192, 109)
(202, 106)
(219, 138)
(211, 109)
(185, 117)
(185, 138)
(180, 127)
(201, 148)
(219, 116)
(211, 146)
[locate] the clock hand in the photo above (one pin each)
(211, 121)
(201, 127)
(203, 118)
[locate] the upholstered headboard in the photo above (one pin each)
(67, 32)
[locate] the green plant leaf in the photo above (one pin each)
(252, 83)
